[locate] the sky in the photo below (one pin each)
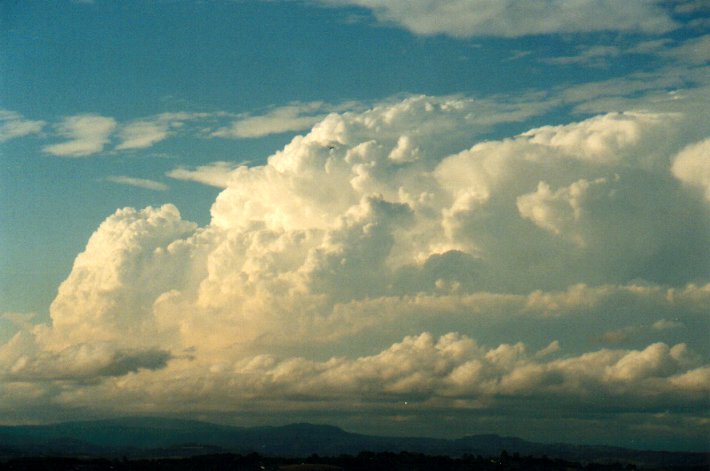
(404, 217)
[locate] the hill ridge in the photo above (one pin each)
(156, 436)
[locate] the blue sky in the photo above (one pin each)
(520, 180)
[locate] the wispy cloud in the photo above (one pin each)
(146, 132)
(693, 51)
(289, 118)
(142, 134)
(665, 324)
(215, 174)
(14, 125)
(691, 6)
(137, 182)
(510, 18)
(592, 56)
(87, 134)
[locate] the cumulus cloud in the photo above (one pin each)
(14, 125)
(445, 372)
(137, 182)
(107, 295)
(508, 18)
(692, 166)
(371, 260)
(454, 366)
(87, 134)
(76, 362)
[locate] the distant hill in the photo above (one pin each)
(157, 437)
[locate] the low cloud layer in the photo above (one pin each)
(384, 258)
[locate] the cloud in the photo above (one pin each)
(467, 18)
(146, 132)
(141, 134)
(217, 174)
(676, 88)
(690, 6)
(428, 372)
(596, 56)
(692, 166)
(289, 118)
(109, 265)
(602, 139)
(78, 362)
(693, 51)
(14, 125)
(453, 366)
(371, 261)
(138, 182)
(87, 134)
(619, 336)
(664, 324)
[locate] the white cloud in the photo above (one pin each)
(560, 211)
(289, 118)
(692, 166)
(428, 371)
(14, 125)
(602, 139)
(651, 46)
(596, 56)
(217, 174)
(146, 132)
(664, 324)
(76, 362)
(137, 182)
(87, 134)
(379, 251)
(107, 289)
(693, 51)
(22, 320)
(141, 134)
(691, 6)
(508, 18)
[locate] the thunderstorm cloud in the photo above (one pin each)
(382, 257)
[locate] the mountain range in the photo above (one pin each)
(161, 437)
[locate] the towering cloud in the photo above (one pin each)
(383, 257)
